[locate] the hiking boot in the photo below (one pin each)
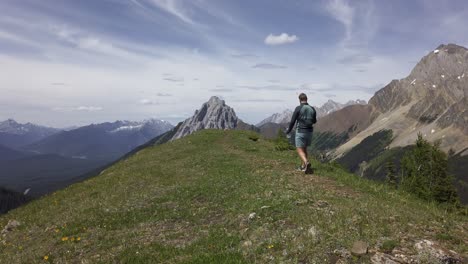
(300, 168)
(308, 168)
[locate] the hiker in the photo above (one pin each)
(305, 116)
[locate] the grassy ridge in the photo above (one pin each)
(189, 201)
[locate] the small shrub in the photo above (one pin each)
(336, 165)
(389, 245)
(254, 137)
(282, 146)
(282, 142)
(391, 177)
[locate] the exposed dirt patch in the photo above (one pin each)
(302, 181)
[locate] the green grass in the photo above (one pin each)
(189, 201)
(389, 245)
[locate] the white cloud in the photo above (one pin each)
(268, 66)
(89, 108)
(280, 39)
(163, 94)
(342, 12)
(14, 38)
(173, 79)
(105, 71)
(174, 8)
(88, 42)
(147, 102)
(79, 108)
(359, 19)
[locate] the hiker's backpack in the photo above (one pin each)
(307, 115)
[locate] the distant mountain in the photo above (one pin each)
(327, 108)
(105, 142)
(71, 156)
(331, 106)
(331, 130)
(214, 114)
(431, 100)
(350, 120)
(277, 118)
(270, 130)
(10, 154)
(43, 173)
(15, 135)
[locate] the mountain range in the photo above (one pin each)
(15, 135)
(431, 101)
(328, 107)
(105, 141)
(59, 158)
(7, 153)
(331, 106)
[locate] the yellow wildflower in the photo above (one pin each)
(57, 230)
(78, 238)
(271, 246)
(64, 238)
(72, 239)
(46, 257)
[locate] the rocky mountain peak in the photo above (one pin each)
(445, 60)
(214, 114)
(13, 127)
(431, 100)
(331, 106)
(278, 118)
(357, 101)
(435, 90)
(11, 121)
(214, 100)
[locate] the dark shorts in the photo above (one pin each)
(303, 139)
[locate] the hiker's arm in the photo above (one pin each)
(293, 119)
(314, 116)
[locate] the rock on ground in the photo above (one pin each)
(359, 248)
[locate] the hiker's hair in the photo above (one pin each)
(303, 97)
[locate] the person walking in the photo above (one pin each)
(305, 116)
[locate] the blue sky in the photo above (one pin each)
(66, 63)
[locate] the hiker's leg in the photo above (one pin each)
(302, 154)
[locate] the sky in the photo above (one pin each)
(66, 63)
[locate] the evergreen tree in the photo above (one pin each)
(391, 177)
(425, 173)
